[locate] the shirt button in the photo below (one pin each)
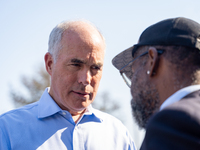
(64, 113)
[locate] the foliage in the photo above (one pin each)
(34, 87)
(104, 103)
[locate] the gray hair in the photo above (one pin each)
(55, 36)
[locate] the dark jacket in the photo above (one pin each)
(176, 127)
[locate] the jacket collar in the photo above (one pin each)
(179, 95)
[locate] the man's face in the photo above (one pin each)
(77, 72)
(145, 100)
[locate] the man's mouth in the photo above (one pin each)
(82, 93)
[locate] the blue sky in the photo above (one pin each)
(26, 25)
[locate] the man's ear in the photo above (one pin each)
(153, 61)
(48, 62)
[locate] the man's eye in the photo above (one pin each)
(96, 67)
(76, 65)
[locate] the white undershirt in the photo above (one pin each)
(179, 95)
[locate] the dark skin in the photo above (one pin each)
(176, 126)
(165, 75)
(157, 76)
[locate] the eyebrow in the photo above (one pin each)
(75, 60)
(99, 65)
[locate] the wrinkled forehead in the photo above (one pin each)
(81, 54)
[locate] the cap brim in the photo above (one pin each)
(123, 59)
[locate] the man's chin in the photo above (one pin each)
(142, 113)
(138, 115)
(83, 105)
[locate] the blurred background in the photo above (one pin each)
(25, 28)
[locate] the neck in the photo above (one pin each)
(173, 84)
(77, 115)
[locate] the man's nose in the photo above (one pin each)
(84, 77)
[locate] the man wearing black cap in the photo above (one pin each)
(163, 72)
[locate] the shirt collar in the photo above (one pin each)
(91, 111)
(179, 95)
(47, 106)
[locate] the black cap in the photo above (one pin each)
(175, 31)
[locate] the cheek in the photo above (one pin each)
(63, 79)
(134, 79)
(95, 82)
(135, 82)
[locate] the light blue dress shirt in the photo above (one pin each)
(43, 125)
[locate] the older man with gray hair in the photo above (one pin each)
(63, 118)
